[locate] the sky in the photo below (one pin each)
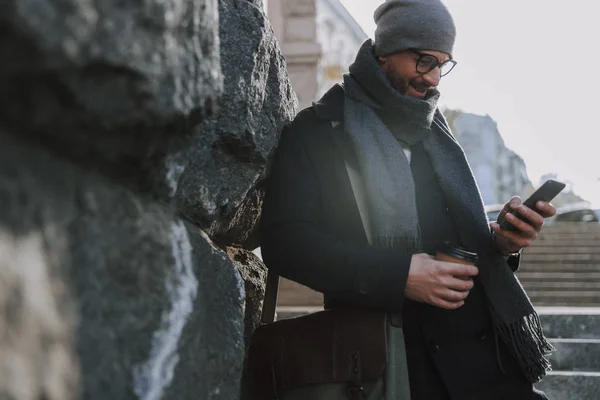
(533, 66)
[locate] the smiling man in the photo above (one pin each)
(470, 331)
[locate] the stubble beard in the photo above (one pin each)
(401, 84)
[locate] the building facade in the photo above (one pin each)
(295, 26)
(500, 172)
(319, 39)
(340, 37)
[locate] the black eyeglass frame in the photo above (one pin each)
(434, 66)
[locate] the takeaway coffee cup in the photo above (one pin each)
(456, 254)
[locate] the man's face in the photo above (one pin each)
(401, 70)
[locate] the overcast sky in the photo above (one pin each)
(533, 66)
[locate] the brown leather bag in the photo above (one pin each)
(331, 346)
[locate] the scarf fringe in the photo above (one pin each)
(526, 341)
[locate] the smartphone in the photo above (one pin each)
(546, 193)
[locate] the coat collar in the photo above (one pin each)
(331, 106)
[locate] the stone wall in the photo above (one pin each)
(134, 139)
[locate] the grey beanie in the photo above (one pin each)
(413, 24)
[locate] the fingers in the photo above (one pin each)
(536, 220)
(439, 283)
(523, 226)
(516, 239)
(547, 210)
(453, 296)
(510, 206)
(460, 285)
(458, 269)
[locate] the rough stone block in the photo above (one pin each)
(220, 188)
(118, 288)
(113, 85)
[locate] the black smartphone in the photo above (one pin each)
(546, 193)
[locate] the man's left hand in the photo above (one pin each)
(527, 229)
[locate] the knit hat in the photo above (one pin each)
(413, 24)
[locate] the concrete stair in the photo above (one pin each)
(562, 268)
(566, 385)
(575, 333)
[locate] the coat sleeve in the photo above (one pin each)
(295, 246)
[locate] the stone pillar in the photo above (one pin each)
(294, 23)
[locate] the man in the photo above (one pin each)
(470, 332)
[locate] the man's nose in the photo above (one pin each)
(433, 77)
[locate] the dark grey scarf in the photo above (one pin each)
(391, 194)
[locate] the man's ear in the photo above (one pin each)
(382, 59)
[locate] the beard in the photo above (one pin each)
(401, 84)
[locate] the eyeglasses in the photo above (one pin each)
(428, 62)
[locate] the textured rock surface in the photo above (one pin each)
(37, 320)
(113, 84)
(254, 274)
(128, 175)
(160, 309)
(220, 188)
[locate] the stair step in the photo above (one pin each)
(566, 385)
(529, 266)
(544, 298)
(564, 276)
(551, 286)
(583, 294)
(554, 303)
(570, 322)
(570, 240)
(588, 258)
(287, 312)
(569, 227)
(576, 355)
(294, 294)
(562, 249)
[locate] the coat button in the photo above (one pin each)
(433, 346)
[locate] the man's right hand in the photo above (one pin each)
(438, 283)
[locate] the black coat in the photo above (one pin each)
(311, 233)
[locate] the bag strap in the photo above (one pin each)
(358, 188)
(270, 300)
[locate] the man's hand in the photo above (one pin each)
(438, 283)
(527, 231)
